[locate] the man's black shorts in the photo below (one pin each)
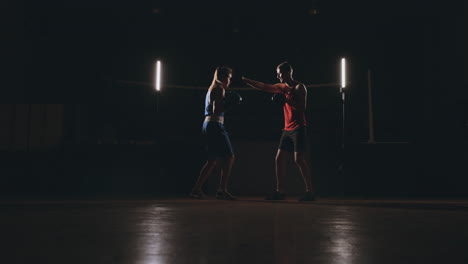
(294, 140)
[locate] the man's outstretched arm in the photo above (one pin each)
(271, 88)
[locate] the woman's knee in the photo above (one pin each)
(211, 163)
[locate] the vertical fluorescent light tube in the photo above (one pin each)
(158, 76)
(343, 73)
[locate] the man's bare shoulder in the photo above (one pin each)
(299, 86)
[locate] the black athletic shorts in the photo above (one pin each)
(294, 140)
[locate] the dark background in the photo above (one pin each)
(80, 74)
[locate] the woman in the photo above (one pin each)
(218, 144)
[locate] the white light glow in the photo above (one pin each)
(343, 73)
(158, 76)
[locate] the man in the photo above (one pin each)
(294, 137)
(218, 144)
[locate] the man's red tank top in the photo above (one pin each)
(293, 118)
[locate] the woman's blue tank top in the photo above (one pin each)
(209, 105)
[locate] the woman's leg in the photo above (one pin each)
(226, 173)
(204, 173)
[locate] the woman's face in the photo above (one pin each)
(227, 81)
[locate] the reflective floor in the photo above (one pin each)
(245, 231)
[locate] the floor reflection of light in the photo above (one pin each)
(154, 234)
(343, 242)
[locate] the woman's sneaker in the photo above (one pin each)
(225, 195)
(198, 195)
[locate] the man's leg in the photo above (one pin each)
(301, 160)
(280, 162)
(280, 168)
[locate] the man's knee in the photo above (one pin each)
(299, 158)
(279, 157)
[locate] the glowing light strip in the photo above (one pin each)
(158, 76)
(343, 73)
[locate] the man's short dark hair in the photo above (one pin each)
(285, 67)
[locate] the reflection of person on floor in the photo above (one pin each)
(218, 144)
(293, 139)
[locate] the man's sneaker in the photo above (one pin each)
(198, 195)
(224, 195)
(275, 196)
(307, 197)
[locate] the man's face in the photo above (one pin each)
(279, 75)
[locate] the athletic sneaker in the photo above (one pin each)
(276, 196)
(198, 195)
(307, 197)
(225, 195)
